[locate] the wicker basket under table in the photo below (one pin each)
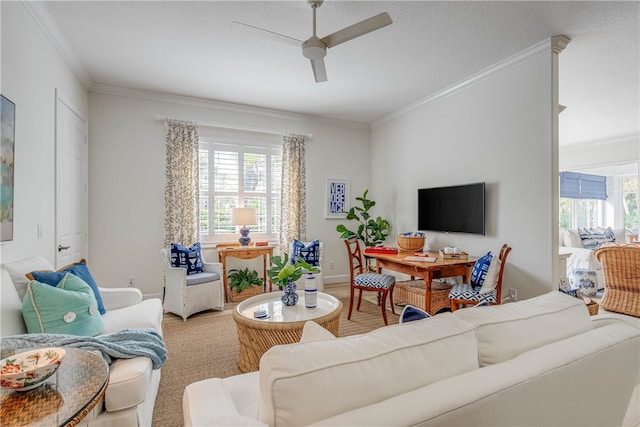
(257, 336)
(412, 292)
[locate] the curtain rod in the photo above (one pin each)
(233, 127)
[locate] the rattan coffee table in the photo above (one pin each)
(283, 326)
(64, 399)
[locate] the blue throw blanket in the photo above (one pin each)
(125, 344)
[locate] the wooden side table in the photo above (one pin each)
(64, 399)
(245, 252)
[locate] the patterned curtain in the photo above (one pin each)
(181, 195)
(293, 196)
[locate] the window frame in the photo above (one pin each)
(242, 147)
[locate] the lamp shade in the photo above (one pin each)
(243, 216)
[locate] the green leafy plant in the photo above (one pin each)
(243, 279)
(282, 270)
(371, 231)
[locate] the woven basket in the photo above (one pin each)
(412, 292)
(593, 308)
(410, 244)
(246, 293)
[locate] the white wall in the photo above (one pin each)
(497, 129)
(32, 69)
(127, 176)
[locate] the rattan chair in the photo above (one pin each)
(621, 267)
(376, 282)
(464, 294)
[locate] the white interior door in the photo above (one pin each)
(71, 185)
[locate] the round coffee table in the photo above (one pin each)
(64, 399)
(282, 326)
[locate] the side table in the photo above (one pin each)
(64, 399)
(245, 252)
(283, 326)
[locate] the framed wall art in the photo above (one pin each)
(7, 146)
(336, 198)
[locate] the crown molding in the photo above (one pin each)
(632, 138)
(148, 95)
(55, 36)
(554, 44)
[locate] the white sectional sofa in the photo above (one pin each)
(133, 383)
(538, 362)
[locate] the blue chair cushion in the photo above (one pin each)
(374, 280)
(480, 269)
(309, 252)
(203, 277)
(187, 257)
(411, 313)
(466, 292)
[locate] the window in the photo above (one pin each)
(630, 202)
(581, 213)
(239, 175)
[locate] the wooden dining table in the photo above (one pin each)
(428, 271)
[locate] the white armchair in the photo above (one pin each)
(188, 294)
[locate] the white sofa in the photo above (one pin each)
(581, 258)
(538, 362)
(133, 384)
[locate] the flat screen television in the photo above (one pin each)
(454, 209)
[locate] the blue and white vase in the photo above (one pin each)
(289, 295)
(586, 281)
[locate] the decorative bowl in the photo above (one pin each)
(28, 370)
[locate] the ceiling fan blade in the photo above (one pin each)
(357, 30)
(319, 71)
(265, 33)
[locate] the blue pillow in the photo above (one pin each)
(310, 253)
(78, 269)
(411, 313)
(189, 258)
(480, 269)
(70, 307)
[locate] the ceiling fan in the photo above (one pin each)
(315, 48)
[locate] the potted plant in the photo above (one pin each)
(371, 231)
(244, 280)
(284, 274)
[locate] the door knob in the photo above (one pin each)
(63, 248)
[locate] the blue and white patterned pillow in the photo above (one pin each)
(480, 269)
(187, 257)
(411, 313)
(309, 252)
(594, 238)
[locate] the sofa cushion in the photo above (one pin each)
(189, 258)
(594, 238)
(147, 314)
(18, 270)
(11, 321)
(411, 314)
(423, 352)
(79, 269)
(128, 382)
(572, 238)
(68, 308)
(311, 331)
(506, 330)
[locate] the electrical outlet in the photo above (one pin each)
(513, 294)
(332, 265)
(131, 281)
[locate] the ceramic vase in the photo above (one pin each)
(586, 281)
(289, 295)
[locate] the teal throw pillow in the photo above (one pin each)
(79, 269)
(68, 308)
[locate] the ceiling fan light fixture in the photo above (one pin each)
(314, 48)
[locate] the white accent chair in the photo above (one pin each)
(188, 294)
(318, 275)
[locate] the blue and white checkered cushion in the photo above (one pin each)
(374, 280)
(465, 292)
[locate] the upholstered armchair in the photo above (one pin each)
(186, 294)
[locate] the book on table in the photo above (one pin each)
(419, 258)
(381, 250)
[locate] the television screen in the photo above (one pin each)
(456, 209)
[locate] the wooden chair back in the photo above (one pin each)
(504, 251)
(355, 257)
(621, 268)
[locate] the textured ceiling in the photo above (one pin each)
(189, 48)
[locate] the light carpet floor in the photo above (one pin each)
(206, 346)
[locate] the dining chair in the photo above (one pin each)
(471, 293)
(381, 283)
(621, 267)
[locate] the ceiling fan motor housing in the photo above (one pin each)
(314, 48)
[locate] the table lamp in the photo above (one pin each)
(244, 217)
